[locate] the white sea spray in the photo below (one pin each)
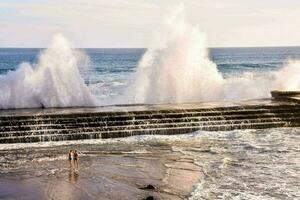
(54, 81)
(176, 68)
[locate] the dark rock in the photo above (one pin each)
(149, 198)
(148, 187)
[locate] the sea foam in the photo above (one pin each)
(54, 81)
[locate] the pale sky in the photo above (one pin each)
(131, 23)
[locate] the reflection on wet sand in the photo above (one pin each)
(73, 176)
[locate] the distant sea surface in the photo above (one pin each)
(116, 61)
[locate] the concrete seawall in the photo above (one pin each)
(42, 125)
(286, 95)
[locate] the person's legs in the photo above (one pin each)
(73, 164)
(70, 163)
(76, 159)
(76, 163)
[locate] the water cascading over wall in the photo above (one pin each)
(98, 123)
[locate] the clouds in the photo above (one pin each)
(130, 23)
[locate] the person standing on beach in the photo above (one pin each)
(76, 159)
(71, 155)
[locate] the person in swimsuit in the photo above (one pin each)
(76, 158)
(71, 155)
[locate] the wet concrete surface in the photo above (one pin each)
(141, 107)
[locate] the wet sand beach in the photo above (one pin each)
(105, 172)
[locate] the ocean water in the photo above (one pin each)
(108, 72)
